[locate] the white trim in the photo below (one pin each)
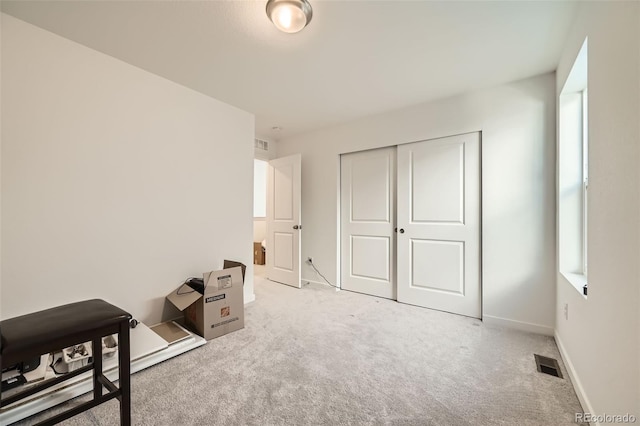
(518, 325)
(338, 194)
(577, 281)
(83, 383)
(250, 299)
(575, 380)
(319, 282)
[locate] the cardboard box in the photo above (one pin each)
(220, 310)
(258, 254)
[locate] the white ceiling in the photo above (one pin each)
(356, 58)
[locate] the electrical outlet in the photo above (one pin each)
(309, 260)
(566, 311)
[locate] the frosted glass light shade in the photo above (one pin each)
(289, 16)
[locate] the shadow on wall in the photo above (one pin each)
(519, 210)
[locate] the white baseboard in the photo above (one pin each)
(317, 282)
(575, 380)
(518, 325)
(250, 299)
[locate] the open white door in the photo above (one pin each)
(283, 220)
(439, 224)
(368, 209)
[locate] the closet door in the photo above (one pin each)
(439, 224)
(367, 222)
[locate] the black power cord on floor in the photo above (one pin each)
(310, 262)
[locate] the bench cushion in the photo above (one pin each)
(56, 328)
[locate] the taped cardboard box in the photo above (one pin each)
(217, 309)
(258, 254)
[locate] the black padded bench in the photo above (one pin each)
(32, 335)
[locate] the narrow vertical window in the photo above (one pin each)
(573, 174)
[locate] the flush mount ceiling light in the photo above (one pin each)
(289, 16)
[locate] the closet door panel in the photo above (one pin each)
(439, 224)
(367, 217)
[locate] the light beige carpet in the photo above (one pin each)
(315, 356)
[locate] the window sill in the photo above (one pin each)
(576, 280)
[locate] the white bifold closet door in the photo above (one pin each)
(411, 224)
(367, 220)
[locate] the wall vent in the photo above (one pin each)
(260, 144)
(548, 365)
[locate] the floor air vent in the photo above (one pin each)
(548, 365)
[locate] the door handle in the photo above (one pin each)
(401, 231)
(297, 226)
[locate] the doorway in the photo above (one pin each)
(260, 168)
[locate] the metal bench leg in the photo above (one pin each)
(96, 344)
(124, 370)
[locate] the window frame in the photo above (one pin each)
(573, 174)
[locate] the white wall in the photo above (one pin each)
(518, 164)
(260, 197)
(601, 338)
(116, 183)
(259, 230)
